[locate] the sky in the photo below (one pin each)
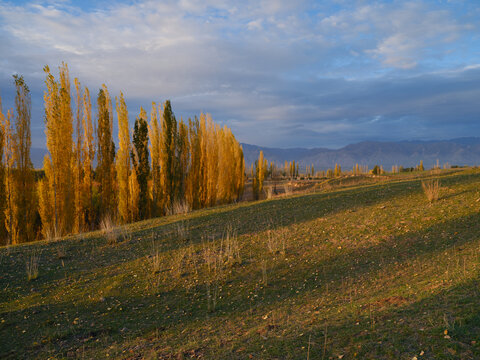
(278, 73)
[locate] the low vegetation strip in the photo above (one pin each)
(356, 271)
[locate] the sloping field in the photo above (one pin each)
(365, 271)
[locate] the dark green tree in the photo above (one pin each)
(139, 156)
(169, 154)
(106, 154)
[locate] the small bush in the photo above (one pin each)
(431, 189)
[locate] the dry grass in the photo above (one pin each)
(431, 189)
(276, 241)
(32, 265)
(229, 247)
(52, 234)
(179, 207)
(288, 189)
(182, 230)
(107, 226)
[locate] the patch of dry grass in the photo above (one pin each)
(431, 188)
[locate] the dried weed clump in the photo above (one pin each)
(431, 189)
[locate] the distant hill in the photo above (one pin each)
(462, 151)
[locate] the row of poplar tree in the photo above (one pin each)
(164, 165)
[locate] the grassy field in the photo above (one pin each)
(367, 270)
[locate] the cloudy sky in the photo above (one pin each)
(279, 73)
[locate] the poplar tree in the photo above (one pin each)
(56, 193)
(79, 223)
(2, 179)
(139, 156)
(10, 154)
(155, 149)
(212, 162)
(88, 155)
(182, 160)
(193, 182)
(105, 154)
(24, 177)
(239, 171)
(168, 152)
(123, 161)
(260, 169)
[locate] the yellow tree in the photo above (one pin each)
(23, 176)
(204, 159)
(239, 171)
(193, 181)
(79, 223)
(183, 159)
(2, 180)
(134, 191)
(123, 161)
(88, 156)
(58, 165)
(11, 223)
(212, 162)
(155, 149)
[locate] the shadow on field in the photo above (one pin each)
(251, 218)
(181, 309)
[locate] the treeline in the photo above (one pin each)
(163, 166)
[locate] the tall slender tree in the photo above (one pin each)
(123, 161)
(105, 154)
(55, 192)
(79, 223)
(3, 230)
(139, 156)
(88, 155)
(11, 202)
(168, 154)
(24, 176)
(155, 150)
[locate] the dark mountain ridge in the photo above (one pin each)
(461, 151)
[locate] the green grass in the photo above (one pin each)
(370, 270)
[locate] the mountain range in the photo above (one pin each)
(461, 151)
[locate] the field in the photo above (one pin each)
(359, 269)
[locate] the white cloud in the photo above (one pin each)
(261, 62)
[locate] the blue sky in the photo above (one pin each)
(279, 73)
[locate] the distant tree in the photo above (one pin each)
(338, 170)
(376, 170)
(420, 166)
(260, 170)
